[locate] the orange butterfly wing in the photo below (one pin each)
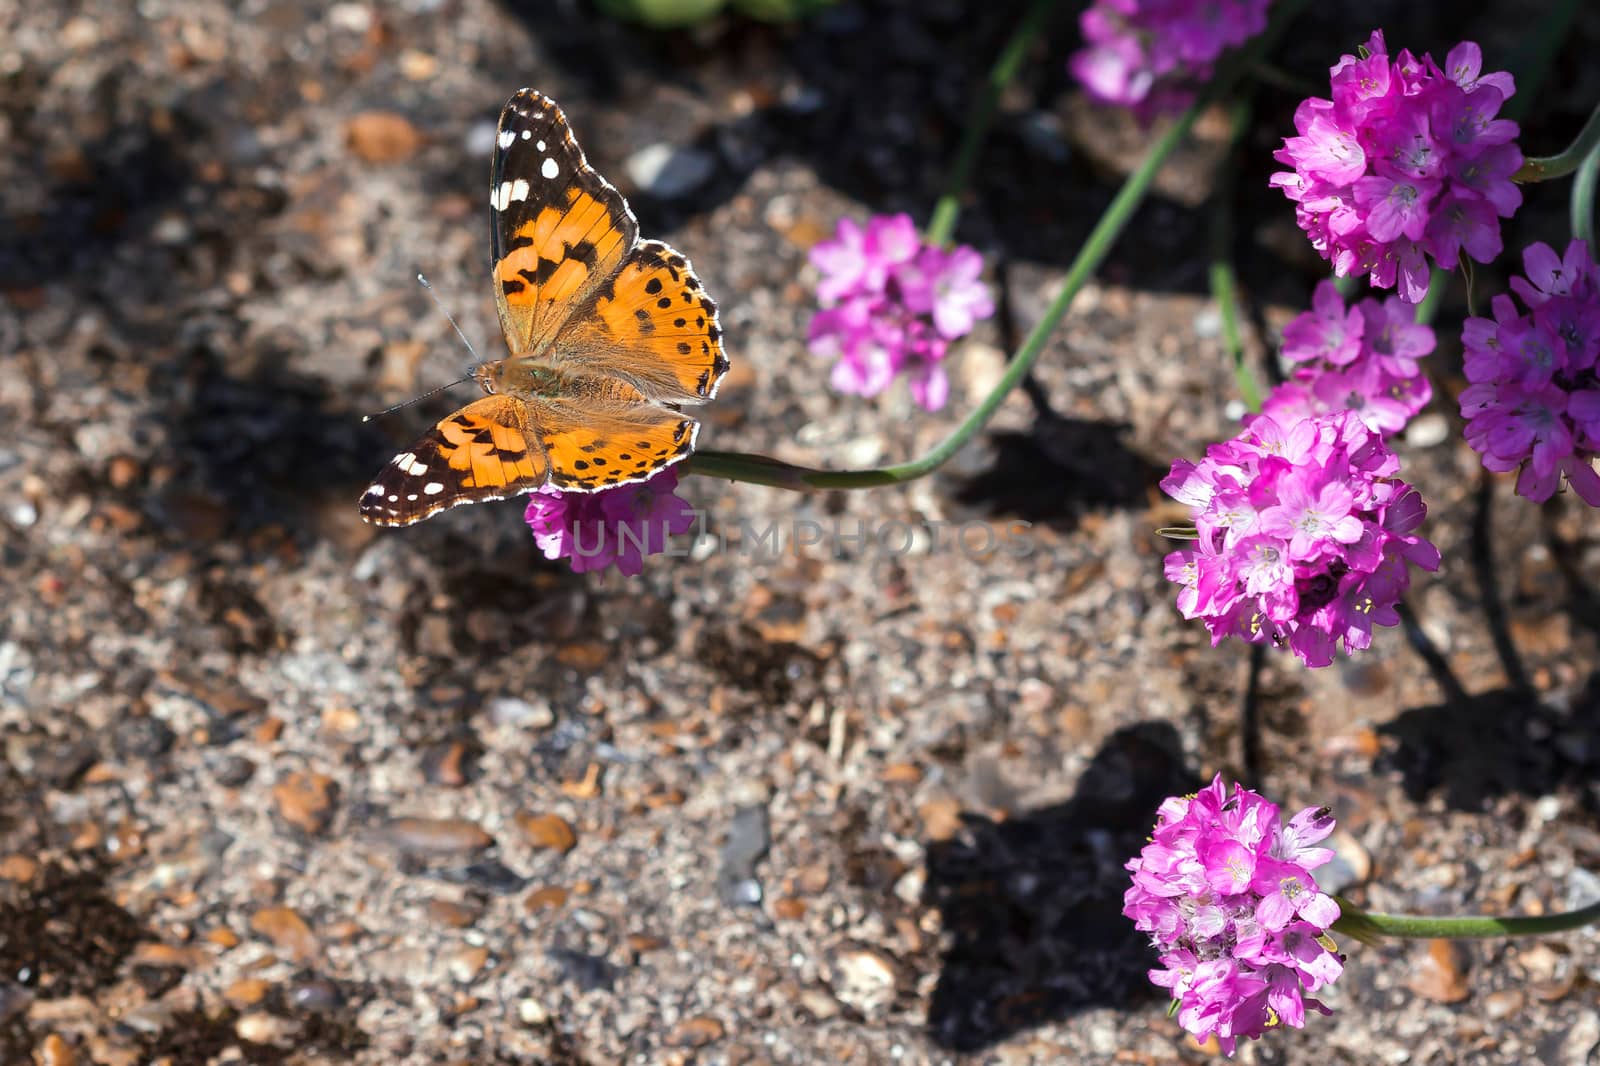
(558, 229)
(652, 326)
(592, 449)
(482, 452)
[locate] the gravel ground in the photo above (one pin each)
(281, 788)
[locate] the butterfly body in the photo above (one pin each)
(609, 338)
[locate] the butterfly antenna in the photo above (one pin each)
(414, 399)
(448, 317)
(448, 385)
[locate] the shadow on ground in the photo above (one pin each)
(1033, 904)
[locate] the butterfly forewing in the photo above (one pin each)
(558, 229)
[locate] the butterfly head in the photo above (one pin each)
(489, 376)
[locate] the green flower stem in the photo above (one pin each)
(762, 470)
(1438, 282)
(1224, 282)
(1559, 166)
(1369, 928)
(942, 226)
(1585, 185)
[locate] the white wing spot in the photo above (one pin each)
(393, 497)
(375, 490)
(519, 190)
(432, 488)
(500, 198)
(549, 169)
(539, 146)
(412, 496)
(508, 137)
(527, 134)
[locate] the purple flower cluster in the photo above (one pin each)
(892, 304)
(1363, 359)
(613, 527)
(1534, 399)
(1304, 536)
(1406, 161)
(1226, 893)
(1150, 54)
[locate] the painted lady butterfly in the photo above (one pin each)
(608, 336)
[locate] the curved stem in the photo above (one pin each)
(1224, 280)
(1585, 185)
(1368, 928)
(1568, 160)
(942, 226)
(762, 470)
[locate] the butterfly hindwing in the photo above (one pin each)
(482, 452)
(651, 325)
(593, 446)
(558, 229)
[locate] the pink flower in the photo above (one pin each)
(1150, 55)
(1362, 360)
(892, 305)
(1532, 402)
(612, 527)
(1404, 162)
(1227, 895)
(1304, 535)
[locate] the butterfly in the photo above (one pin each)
(609, 338)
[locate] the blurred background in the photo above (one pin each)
(279, 787)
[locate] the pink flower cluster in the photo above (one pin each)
(892, 304)
(613, 527)
(1363, 359)
(1304, 536)
(1406, 161)
(1534, 399)
(1226, 892)
(1151, 54)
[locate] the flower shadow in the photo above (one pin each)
(1496, 743)
(1032, 904)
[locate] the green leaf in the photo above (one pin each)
(662, 14)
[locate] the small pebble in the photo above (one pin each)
(1439, 974)
(749, 836)
(547, 831)
(509, 711)
(465, 965)
(489, 874)
(382, 137)
(696, 1032)
(234, 771)
(287, 931)
(53, 1050)
(259, 1027)
(667, 172)
(435, 836)
(246, 992)
(863, 979)
(315, 995)
(449, 764)
(306, 800)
